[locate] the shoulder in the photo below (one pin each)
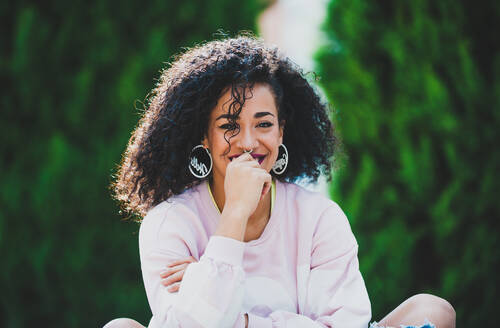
(176, 218)
(302, 199)
(316, 211)
(171, 209)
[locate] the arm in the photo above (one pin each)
(211, 292)
(336, 293)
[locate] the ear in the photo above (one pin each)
(282, 130)
(204, 142)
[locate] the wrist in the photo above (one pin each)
(235, 212)
(232, 224)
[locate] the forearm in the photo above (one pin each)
(232, 224)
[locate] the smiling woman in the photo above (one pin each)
(219, 77)
(255, 128)
(227, 239)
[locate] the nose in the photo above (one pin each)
(246, 140)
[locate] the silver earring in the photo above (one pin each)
(281, 163)
(197, 162)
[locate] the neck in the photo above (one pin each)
(261, 213)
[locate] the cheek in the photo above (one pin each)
(219, 144)
(272, 144)
(276, 139)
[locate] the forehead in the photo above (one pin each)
(258, 99)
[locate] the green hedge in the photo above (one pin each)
(415, 86)
(73, 76)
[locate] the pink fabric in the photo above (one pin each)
(302, 272)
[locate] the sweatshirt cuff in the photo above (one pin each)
(254, 321)
(224, 249)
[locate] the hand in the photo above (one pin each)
(245, 184)
(174, 273)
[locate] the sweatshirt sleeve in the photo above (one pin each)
(211, 291)
(336, 293)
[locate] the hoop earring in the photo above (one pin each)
(197, 160)
(281, 163)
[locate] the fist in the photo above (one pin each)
(245, 183)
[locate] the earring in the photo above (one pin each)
(281, 163)
(197, 160)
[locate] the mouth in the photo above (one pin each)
(259, 157)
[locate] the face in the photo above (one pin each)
(259, 131)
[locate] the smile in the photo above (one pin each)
(258, 157)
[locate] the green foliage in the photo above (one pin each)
(416, 90)
(71, 73)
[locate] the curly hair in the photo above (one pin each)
(155, 164)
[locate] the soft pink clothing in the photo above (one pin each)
(302, 271)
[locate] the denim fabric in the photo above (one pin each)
(426, 325)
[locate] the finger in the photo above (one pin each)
(267, 183)
(252, 163)
(177, 277)
(172, 270)
(189, 259)
(173, 278)
(243, 157)
(174, 288)
(262, 175)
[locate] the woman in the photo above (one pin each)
(229, 128)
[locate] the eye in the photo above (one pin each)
(229, 126)
(265, 124)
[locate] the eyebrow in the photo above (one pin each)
(262, 114)
(257, 115)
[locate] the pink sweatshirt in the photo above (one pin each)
(302, 272)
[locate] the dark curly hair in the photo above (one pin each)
(155, 163)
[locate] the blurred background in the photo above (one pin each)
(415, 94)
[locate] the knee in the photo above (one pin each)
(123, 323)
(436, 309)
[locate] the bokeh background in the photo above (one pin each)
(415, 94)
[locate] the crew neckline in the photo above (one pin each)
(214, 213)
